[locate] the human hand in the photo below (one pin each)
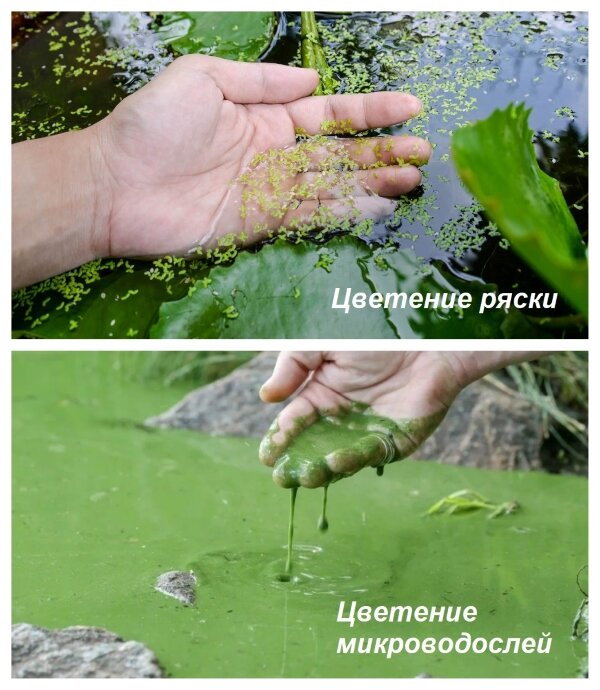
(386, 403)
(173, 150)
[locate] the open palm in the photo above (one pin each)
(175, 148)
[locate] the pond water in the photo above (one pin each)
(102, 507)
(462, 65)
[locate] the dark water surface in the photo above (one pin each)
(462, 66)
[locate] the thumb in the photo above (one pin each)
(256, 82)
(291, 370)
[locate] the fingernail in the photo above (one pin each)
(263, 392)
(427, 153)
(410, 176)
(265, 451)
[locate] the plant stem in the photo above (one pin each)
(313, 55)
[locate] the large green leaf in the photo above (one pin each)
(233, 35)
(286, 291)
(496, 160)
(101, 507)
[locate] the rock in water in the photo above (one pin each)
(179, 584)
(211, 408)
(486, 427)
(79, 652)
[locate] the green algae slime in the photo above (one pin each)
(288, 563)
(334, 446)
(323, 523)
(304, 461)
(101, 507)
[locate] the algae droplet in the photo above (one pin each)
(288, 563)
(323, 523)
(380, 471)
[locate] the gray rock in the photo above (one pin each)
(485, 427)
(227, 407)
(179, 584)
(78, 652)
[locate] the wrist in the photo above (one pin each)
(471, 366)
(60, 205)
(101, 195)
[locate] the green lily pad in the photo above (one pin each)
(233, 35)
(279, 292)
(495, 158)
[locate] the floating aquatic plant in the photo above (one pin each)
(466, 500)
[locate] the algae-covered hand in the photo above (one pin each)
(157, 175)
(361, 409)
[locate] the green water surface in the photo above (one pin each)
(102, 507)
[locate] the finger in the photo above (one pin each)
(352, 111)
(314, 215)
(292, 420)
(313, 474)
(370, 451)
(362, 152)
(368, 151)
(307, 473)
(256, 82)
(291, 370)
(318, 214)
(387, 181)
